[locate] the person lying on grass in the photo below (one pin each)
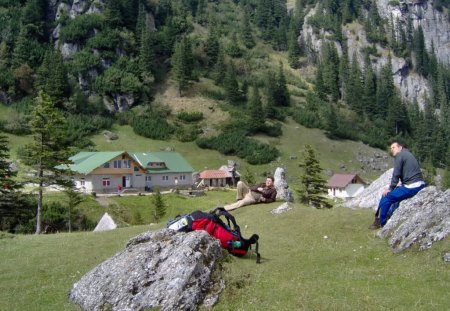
(260, 193)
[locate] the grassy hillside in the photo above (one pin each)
(311, 260)
(332, 153)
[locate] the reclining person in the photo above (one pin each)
(261, 193)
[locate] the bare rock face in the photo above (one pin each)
(163, 269)
(280, 183)
(422, 219)
(371, 195)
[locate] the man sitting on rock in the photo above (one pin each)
(261, 193)
(406, 170)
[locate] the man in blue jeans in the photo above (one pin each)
(407, 171)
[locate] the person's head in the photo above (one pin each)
(269, 181)
(395, 147)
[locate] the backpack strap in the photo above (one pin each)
(254, 240)
(220, 211)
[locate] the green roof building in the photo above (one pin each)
(112, 171)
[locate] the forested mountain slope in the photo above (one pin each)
(219, 72)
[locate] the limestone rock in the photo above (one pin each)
(280, 183)
(106, 223)
(165, 270)
(371, 195)
(422, 219)
(283, 208)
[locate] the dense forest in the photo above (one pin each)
(103, 63)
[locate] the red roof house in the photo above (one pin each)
(345, 185)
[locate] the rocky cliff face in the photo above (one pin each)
(435, 24)
(436, 31)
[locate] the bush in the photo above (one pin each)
(216, 95)
(190, 116)
(81, 126)
(80, 28)
(307, 118)
(237, 143)
(187, 133)
(152, 126)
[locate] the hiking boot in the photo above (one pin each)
(376, 224)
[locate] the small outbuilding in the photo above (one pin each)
(345, 185)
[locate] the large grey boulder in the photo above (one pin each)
(371, 195)
(422, 219)
(280, 183)
(165, 269)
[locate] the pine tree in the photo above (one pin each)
(233, 48)
(52, 77)
(271, 88)
(219, 69)
(48, 152)
(397, 117)
(12, 202)
(293, 47)
(247, 33)
(113, 14)
(7, 183)
(319, 83)
(147, 51)
(313, 184)
(281, 96)
(74, 199)
(420, 52)
(182, 64)
(385, 89)
(369, 94)
(231, 85)
(331, 72)
(212, 47)
(255, 109)
(354, 88)
(159, 204)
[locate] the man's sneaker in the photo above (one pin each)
(376, 224)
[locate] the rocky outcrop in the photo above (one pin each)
(283, 208)
(422, 219)
(280, 183)
(435, 24)
(164, 270)
(371, 195)
(436, 32)
(118, 102)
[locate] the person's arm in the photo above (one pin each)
(255, 188)
(397, 173)
(270, 195)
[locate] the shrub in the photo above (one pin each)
(152, 126)
(237, 143)
(81, 126)
(187, 133)
(307, 118)
(81, 27)
(190, 116)
(216, 95)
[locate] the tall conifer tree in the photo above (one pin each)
(313, 184)
(48, 153)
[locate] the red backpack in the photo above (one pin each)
(229, 234)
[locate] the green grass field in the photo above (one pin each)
(311, 260)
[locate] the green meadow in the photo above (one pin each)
(311, 260)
